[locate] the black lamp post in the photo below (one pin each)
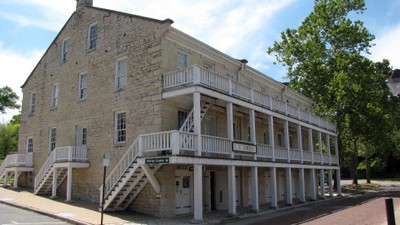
(106, 162)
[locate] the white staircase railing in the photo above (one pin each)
(188, 124)
(123, 165)
(43, 171)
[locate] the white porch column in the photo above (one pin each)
(229, 122)
(330, 183)
(6, 178)
(313, 185)
(302, 186)
(197, 120)
(69, 183)
(16, 175)
(54, 187)
(287, 141)
(252, 120)
(322, 183)
(231, 191)
(198, 190)
(254, 189)
(338, 185)
(271, 135)
(289, 188)
(311, 144)
(274, 194)
(320, 147)
(300, 142)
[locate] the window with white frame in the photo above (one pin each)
(64, 50)
(92, 36)
(52, 139)
(121, 72)
(54, 96)
(29, 145)
(32, 103)
(82, 86)
(182, 115)
(120, 128)
(182, 60)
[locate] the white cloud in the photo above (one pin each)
(15, 69)
(387, 45)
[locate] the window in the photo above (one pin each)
(229, 75)
(64, 50)
(52, 139)
(121, 71)
(92, 36)
(54, 96)
(29, 145)
(32, 103)
(182, 115)
(280, 140)
(82, 86)
(81, 136)
(182, 61)
(120, 128)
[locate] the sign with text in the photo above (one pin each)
(244, 147)
(157, 161)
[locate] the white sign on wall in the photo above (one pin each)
(244, 147)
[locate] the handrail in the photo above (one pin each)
(197, 75)
(46, 166)
(127, 159)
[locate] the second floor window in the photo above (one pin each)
(32, 103)
(182, 61)
(92, 37)
(64, 50)
(121, 72)
(54, 96)
(82, 88)
(52, 139)
(120, 128)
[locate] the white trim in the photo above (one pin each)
(120, 81)
(28, 145)
(116, 142)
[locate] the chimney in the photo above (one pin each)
(82, 3)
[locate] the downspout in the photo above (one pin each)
(242, 67)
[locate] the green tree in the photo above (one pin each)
(324, 60)
(8, 139)
(8, 99)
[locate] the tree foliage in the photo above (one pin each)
(8, 99)
(325, 61)
(8, 139)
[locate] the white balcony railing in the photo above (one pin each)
(178, 143)
(196, 75)
(16, 160)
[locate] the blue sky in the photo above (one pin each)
(240, 28)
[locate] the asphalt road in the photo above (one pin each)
(360, 209)
(11, 215)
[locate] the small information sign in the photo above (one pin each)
(157, 161)
(243, 147)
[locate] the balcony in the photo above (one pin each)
(197, 75)
(184, 144)
(13, 165)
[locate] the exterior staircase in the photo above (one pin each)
(128, 177)
(47, 184)
(188, 124)
(43, 180)
(126, 180)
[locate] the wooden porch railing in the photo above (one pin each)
(178, 142)
(197, 75)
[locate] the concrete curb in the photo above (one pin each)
(45, 213)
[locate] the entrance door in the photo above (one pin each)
(267, 186)
(183, 183)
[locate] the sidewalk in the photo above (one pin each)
(80, 212)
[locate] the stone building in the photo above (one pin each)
(187, 128)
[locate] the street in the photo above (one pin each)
(11, 215)
(361, 209)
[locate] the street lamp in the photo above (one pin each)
(394, 83)
(106, 162)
